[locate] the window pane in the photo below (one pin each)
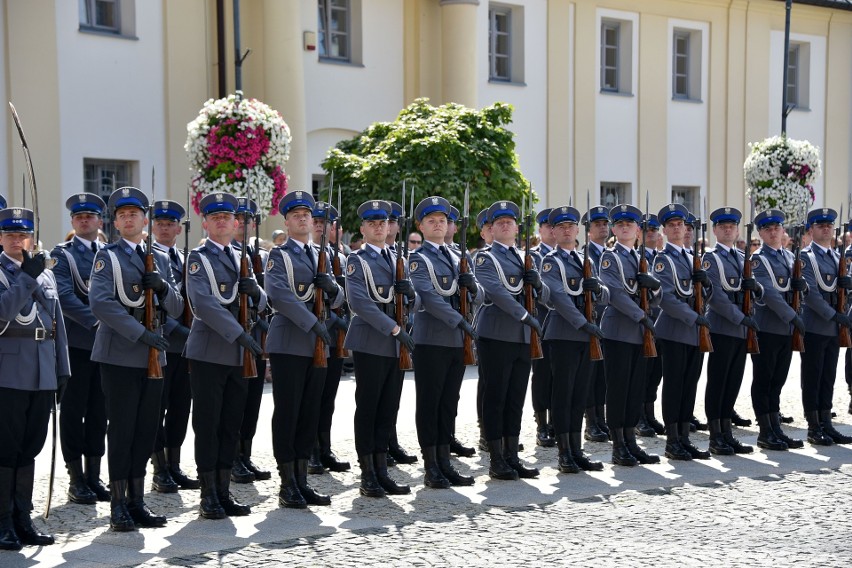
(501, 67)
(681, 86)
(105, 14)
(610, 57)
(338, 21)
(501, 22)
(502, 46)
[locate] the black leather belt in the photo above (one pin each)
(38, 333)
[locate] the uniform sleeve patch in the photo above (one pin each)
(706, 264)
(194, 267)
(412, 267)
(546, 267)
(755, 263)
(99, 265)
(350, 269)
(605, 264)
(480, 260)
(269, 264)
(658, 267)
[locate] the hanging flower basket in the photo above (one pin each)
(780, 173)
(239, 146)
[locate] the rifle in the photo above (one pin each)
(751, 335)
(796, 303)
(339, 350)
(155, 371)
(704, 343)
(536, 351)
(405, 363)
(257, 269)
(464, 295)
(319, 296)
(843, 336)
(249, 364)
(595, 351)
(649, 346)
(187, 309)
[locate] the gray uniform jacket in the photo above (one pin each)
(372, 324)
(676, 321)
(497, 270)
(289, 285)
(25, 363)
(773, 269)
(563, 275)
(73, 267)
(438, 317)
(820, 272)
(215, 329)
(177, 341)
(622, 315)
(725, 270)
(595, 254)
(117, 339)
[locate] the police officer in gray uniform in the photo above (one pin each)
(438, 333)
(374, 339)
(566, 337)
(215, 349)
(648, 424)
(35, 355)
(504, 340)
(542, 379)
(823, 321)
(83, 422)
(772, 267)
(177, 398)
(117, 297)
(293, 280)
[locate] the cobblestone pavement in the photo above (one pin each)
(765, 509)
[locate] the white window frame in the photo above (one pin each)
(687, 195)
(325, 10)
(622, 48)
(124, 16)
(495, 13)
(610, 26)
(682, 91)
(615, 193)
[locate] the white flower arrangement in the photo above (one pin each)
(239, 146)
(780, 173)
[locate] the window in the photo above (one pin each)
(686, 64)
(798, 75)
(688, 196)
(102, 177)
(505, 43)
(335, 30)
(108, 16)
(613, 193)
(616, 56)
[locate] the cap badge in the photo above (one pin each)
(671, 206)
(825, 211)
(624, 207)
(727, 210)
(434, 201)
(375, 204)
(565, 210)
(16, 213)
(125, 192)
(298, 195)
(81, 197)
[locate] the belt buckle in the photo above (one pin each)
(40, 334)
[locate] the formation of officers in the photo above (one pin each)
(614, 321)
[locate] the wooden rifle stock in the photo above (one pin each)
(704, 343)
(798, 339)
(319, 312)
(536, 351)
(464, 310)
(405, 363)
(249, 365)
(339, 350)
(154, 369)
(649, 346)
(843, 336)
(752, 346)
(595, 351)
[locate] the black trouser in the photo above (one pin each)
(175, 404)
(625, 376)
(506, 370)
(438, 374)
(296, 390)
(82, 421)
(681, 371)
(596, 394)
(23, 428)
(849, 367)
(770, 369)
(725, 369)
(133, 410)
(541, 385)
(819, 369)
(254, 396)
(570, 365)
(329, 392)
(378, 381)
(218, 400)
(653, 377)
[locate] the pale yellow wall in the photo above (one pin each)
(654, 88)
(559, 96)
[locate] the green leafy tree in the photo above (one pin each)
(437, 151)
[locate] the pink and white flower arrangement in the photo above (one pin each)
(780, 173)
(239, 146)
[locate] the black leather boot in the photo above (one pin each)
(652, 420)
(641, 455)
(139, 511)
(23, 504)
(397, 452)
(289, 495)
(576, 440)
(180, 477)
(233, 508)
(643, 428)
(775, 422)
(674, 449)
(816, 435)
(620, 453)
(162, 482)
(369, 484)
(93, 478)
(766, 437)
(315, 466)
(432, 476)
(689, 446)
(78, 490)
(459, 449)
(830, 430)
(245, 456)
(119, 517)
(380, 461)
(600, 414)
(498, 468)
(718, 445)
(327, 457)
(785, 419)
(593, 432)
(728, 435)
(510, 454)
(239, 472)
(542, 433)
(210, 507)
(8, 537)
(450, 472)
(566, 463)
(739, 421)
(311, 495)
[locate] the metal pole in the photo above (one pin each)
(220, 48)
(784, 110)
(238, 60)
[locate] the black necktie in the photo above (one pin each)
(173, 255)
(230, 258)
(446, 254)
(310, 255)
(141, 252)
(576, 258)
(517, 256)
(386, 256)
(94, 247)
